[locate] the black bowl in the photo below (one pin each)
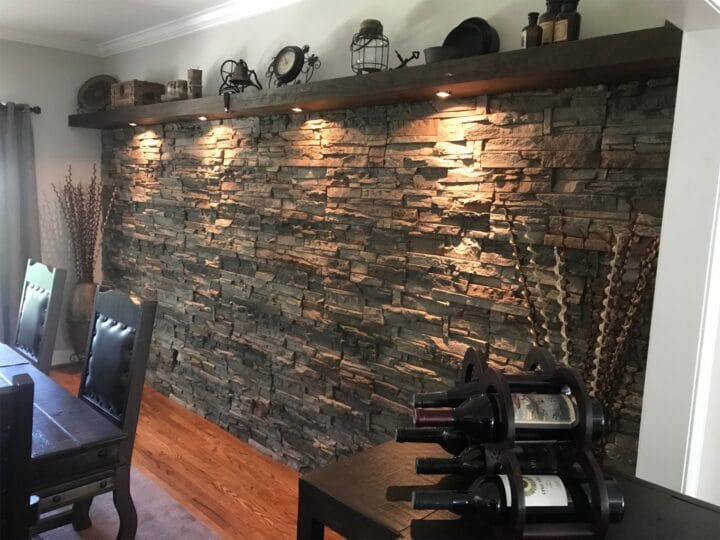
(438, 54)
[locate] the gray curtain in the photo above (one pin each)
(19, 224)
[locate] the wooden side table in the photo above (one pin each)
(367, 496)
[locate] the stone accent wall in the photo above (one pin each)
(314, 271)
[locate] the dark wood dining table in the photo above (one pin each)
(367, 496)
(74, 447)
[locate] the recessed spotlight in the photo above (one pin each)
(443, 94)
(203, 118)
(132, 124)
(296, 109)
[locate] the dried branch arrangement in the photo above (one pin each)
(562, 300)
(609, 313)
(535, 327)
(617, 314)
(628, 318)
(82, 209)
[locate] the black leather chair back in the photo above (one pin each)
(116, 358)
(16, 416)
(39, 315)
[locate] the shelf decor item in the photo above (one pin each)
(194, 79)
(547, 21)
(175, 91)
(405, 61)
(135, 92)
(473, 37)
(532, 34)
(369, 48)
(94, 94)
(236, 77)
(567, 23)
(291, 62)
(440, 53)
(85, 215)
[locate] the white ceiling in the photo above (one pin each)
(86, 25)
(95, 21)
(103, 27)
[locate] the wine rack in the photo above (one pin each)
(541, 375)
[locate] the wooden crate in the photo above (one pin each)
(135, 92)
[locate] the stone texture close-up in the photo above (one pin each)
(313, 271)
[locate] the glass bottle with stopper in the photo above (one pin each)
(547, 21)
(567, 23)
(531, 35)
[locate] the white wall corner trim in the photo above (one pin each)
(224, 13)
(679, 440)
(700, 406)
(50, 41)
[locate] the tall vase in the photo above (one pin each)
(81, 308)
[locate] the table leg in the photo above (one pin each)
(308, 528)
(124, 504)
(81, 515)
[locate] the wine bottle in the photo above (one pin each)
(519, 382)
(537, 417)
(474, 460)
(547, 21)
(452, 441)
(548, 498)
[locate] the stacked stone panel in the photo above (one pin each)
(314, 271)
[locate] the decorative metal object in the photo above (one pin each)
(369, 48)
(405, 61)
(94, 94)
(236, 77)
(291, 62)
(194, 76)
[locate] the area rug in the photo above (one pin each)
(160, 517)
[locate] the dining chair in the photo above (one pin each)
(111, 382)
(17, 513)
(39, 315)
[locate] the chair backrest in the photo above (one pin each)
(16, 417)
(116, 358)
(39, 315)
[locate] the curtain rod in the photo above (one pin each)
(34, 109)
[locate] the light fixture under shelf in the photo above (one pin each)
(442, 94)
(296, 109)
(202, 118)
(132, 124)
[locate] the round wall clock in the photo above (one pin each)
(290, 62)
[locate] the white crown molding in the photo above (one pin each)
(207, 18)
(50, 41)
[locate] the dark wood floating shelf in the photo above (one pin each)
(638, 55)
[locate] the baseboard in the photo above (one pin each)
(63, 357)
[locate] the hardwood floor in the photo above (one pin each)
(232, 488)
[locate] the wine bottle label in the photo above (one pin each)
(547, 31)
(561, 30)
(539, 490)
(523, 39)
(544, 411)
